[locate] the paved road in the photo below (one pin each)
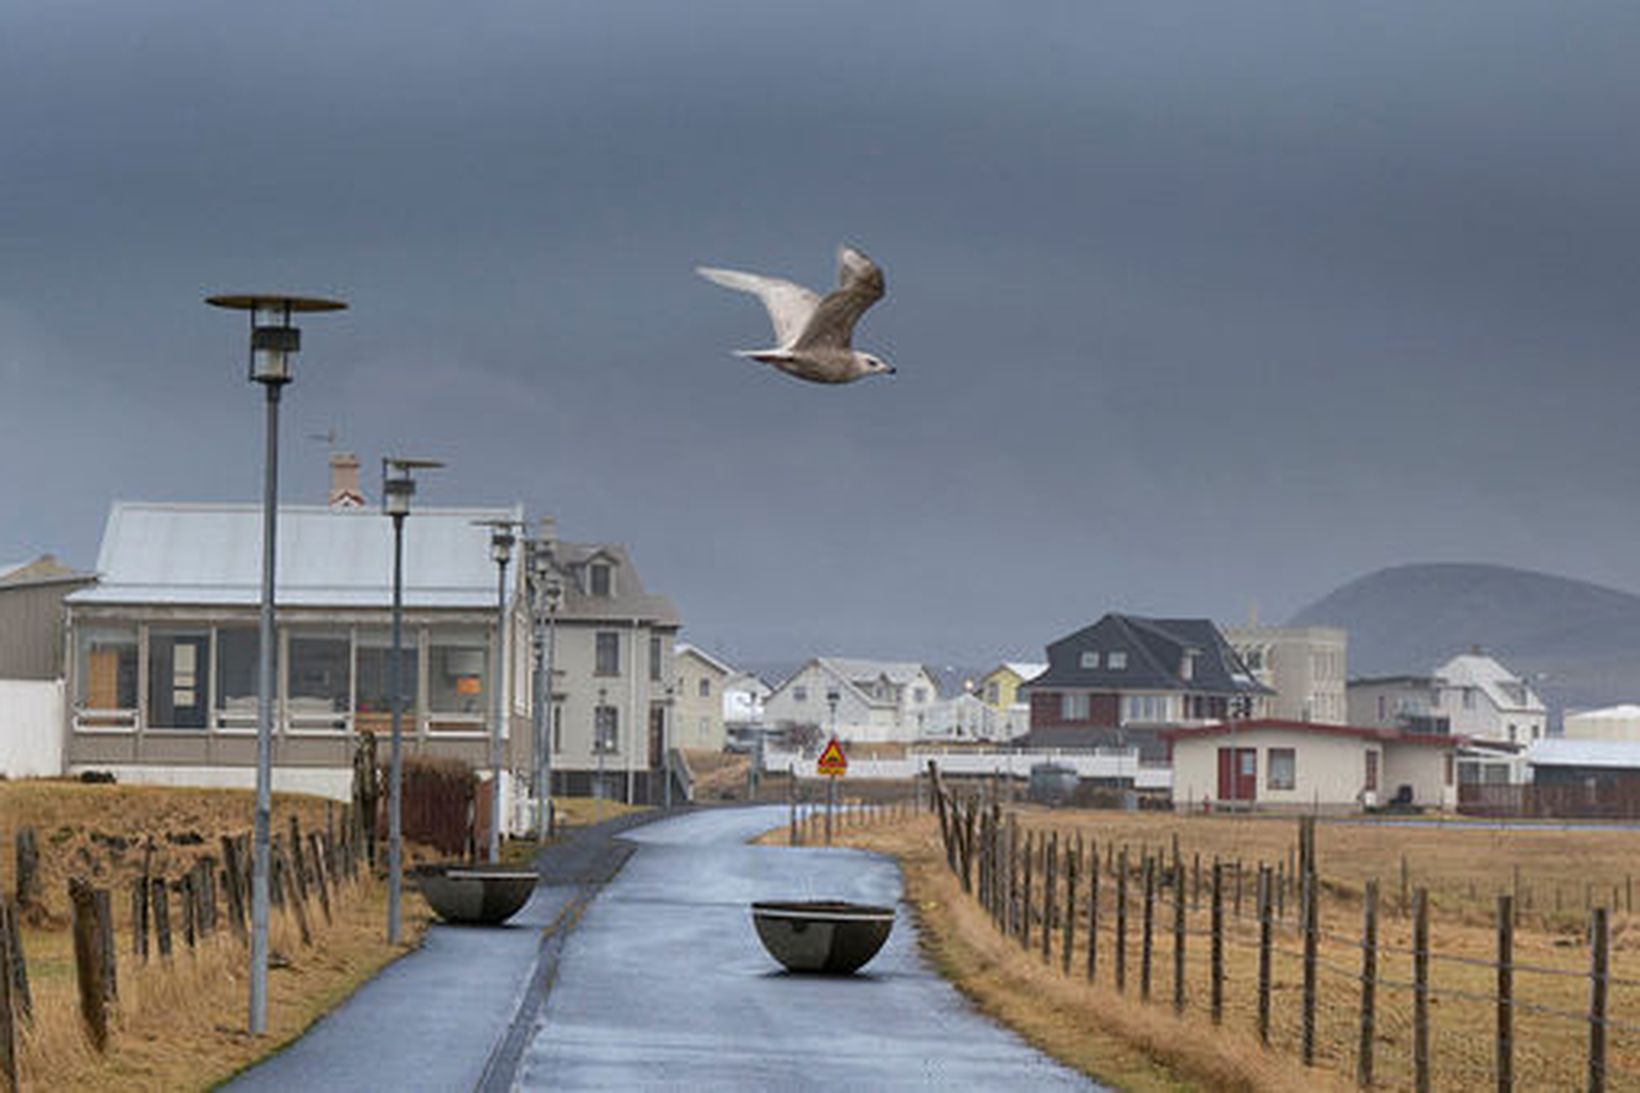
(664, 984)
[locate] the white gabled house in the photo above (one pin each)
(875, 700)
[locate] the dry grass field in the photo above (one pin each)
(1551, 955)
(179, 1023)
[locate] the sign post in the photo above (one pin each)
(833, 764)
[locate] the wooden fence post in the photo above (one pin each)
(89, 964)
(1147, 937)
(1093, 912)
(17, 971)
(1505, 1046)
(104, 904)
(1264, 885)
(1073, 855)
(321, 882)
(1309, 973)
(1025, 893)
(1013, 876)
(1178, 934)
(1599, 972)
(1050, 877)
(162, 915)
(8, 1010)
(1420, 990)
(139, 919)
(1369, 982)
(28, 867)
(1238, 888)
(294, 899)
(235, 886)
(1217, 972)
(1121, 921)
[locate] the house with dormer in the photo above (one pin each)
(866, 700)
(1121, 681)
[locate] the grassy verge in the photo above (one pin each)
(179, 1022)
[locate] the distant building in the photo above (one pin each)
(1121, 681)
(1470, 695)
(876, 700)
(32, 616)
(1303, 665)
(1614, 723)
(999, 689)
(1268, 763)
(698, 680)
(743, 697)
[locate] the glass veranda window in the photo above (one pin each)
(105, 682)
(458, 679)
(238, 651)
(320, 681)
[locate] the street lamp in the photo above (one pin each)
(501, 548)
(397, 489)
(600, 747)
(832, 696)
(273, 342)
(666, 743)
(546, 597)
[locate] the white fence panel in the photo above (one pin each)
(31, 728)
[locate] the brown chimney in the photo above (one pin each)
(344, 481)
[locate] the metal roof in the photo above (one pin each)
(1623, 754)
(212, 555)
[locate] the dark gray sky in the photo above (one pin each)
(1195, 306)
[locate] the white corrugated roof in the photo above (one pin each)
(1625, 712)
(1026, 670)
(212, 555)
(1584, 753)
(857, 669)
(1480, 670)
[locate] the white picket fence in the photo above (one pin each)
(1113, 763)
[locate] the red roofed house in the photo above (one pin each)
(1300, 764)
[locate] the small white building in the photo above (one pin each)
(743, 697)
(876, 700)
(1296, 765)
(1615, 723)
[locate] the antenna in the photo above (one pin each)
(330, 436)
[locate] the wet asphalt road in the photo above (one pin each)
(664, 984)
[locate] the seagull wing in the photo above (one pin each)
(790, 306)
(860, 284)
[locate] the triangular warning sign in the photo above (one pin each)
(832, 761)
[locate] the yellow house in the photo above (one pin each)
(1000, 687)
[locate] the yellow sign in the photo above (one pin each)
(832, 761)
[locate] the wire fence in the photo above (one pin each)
(1326, 972)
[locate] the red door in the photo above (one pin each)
(1238, 774)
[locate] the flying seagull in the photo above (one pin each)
(813, 332)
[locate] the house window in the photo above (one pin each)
(1142, 708)
(919, 695)
(320, 682)
(607, 661)
(1512, 733)
(600, 580)
(1381, 707)
(1449, 765)
(800, 693)
(1281, 768)
(106, 683)
(1187, 667)
(458, 677)
(1073, 707)
(558, 728)
(606, 730)
(373, 691)
(1116, 661)
(1372, 772)
(1090, 659)
(705, 688)
(993, 693)
(1469, 698)
(178, 675)
(654, 658)
(238, 660)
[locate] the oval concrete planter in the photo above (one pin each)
(474, 895)
(827, 936)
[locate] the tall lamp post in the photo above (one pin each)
(832, 696)
(600, 747)
(274, 341)
(398, 486)
(546, 597)
(501, 548)
(666, 743)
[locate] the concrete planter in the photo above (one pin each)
(825, 936)
(475, 895)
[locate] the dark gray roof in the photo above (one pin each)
(629, 602)
(1155, 650)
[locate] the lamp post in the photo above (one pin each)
(666, 744)
(501, 548)
(274, 341)
(397, 489)
(600, 746)
(546, 596)
(832, 696)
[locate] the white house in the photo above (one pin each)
(1303, 665)
(1274, 764)
(698, 679)
(1470, 695)
(867, 700)
(743, 698)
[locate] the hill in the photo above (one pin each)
(1578, 643)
